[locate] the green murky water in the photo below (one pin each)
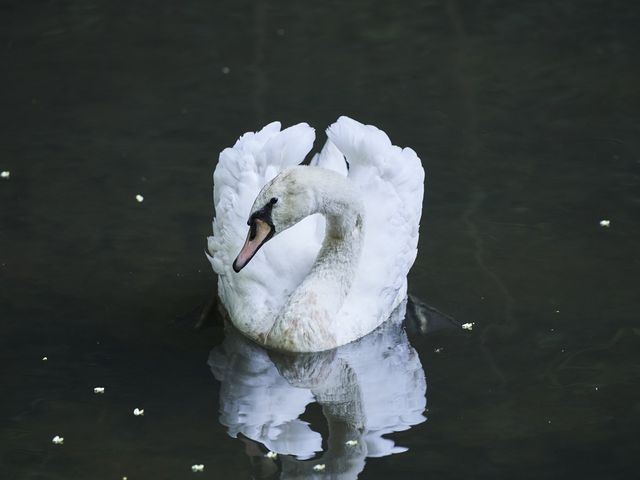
(526, 116)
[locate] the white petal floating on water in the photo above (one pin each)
(467, 326)
(271, 455)
(319, 468)
(5, 174)
(605, 223)
(138, 412)
(57, 440)
(197, 468)
(44, 359)
(139, 198)
(98, 390)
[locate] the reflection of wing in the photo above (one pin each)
(391, 383)
(257, 402)
(367, 389)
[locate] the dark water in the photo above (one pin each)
(527, 118)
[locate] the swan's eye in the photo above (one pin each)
(273, 200)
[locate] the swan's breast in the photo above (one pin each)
(303, 326)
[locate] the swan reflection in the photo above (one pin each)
(366, 389)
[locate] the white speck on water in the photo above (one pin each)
(226, 70)
(57, 440)
(280, 32)
(605, 223)
(557, 311)
(271, 455)
(138, 412)
(468, 326)
(197, 468)
(549, 422)
(351, 443)
(319, 468)
(5, 174)
(44, 359)
(438, 350)
(98, 390)
(139, 198)
(596, 389)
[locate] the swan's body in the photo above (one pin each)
(335, 276)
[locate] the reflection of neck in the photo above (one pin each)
(302, 323)
(340, 396)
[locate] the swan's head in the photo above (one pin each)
(281, 203)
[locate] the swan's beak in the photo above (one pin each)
(259, 233)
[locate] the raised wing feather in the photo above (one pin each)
(330, 158)
(391, 182)
(240, 174)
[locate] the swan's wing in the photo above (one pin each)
(253, 295)
(391, 182)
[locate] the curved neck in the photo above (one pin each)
(335, 266)
(311, 308)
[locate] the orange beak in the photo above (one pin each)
(259, 233)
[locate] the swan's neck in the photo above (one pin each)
(306, 316)
(333, 271)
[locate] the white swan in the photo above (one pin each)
(335, 276)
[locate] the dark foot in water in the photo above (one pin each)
(425, 319)
(207, 315)
(201, 317)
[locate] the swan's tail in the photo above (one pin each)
(330, 158)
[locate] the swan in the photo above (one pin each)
(342, 233)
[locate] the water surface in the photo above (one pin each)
(526, 117)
